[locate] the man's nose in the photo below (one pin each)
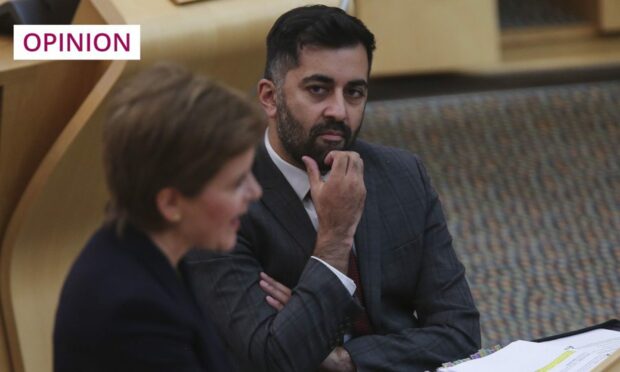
(336, 107)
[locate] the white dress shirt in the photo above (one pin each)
(298, 179)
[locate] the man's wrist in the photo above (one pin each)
(334, 250)
(344, 360)
(338, 360)
(333, 234)
(332, 237)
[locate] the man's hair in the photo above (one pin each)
(170, 128)
(315, 25)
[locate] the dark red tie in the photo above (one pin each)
(361, 324)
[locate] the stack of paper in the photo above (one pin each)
(582, 352)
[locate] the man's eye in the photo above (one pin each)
(316, 89)
(356, 93)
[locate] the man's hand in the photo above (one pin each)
(339, 202)
(277, 296)
(277, 293)
(338, 360)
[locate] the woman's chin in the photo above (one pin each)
(223, 247)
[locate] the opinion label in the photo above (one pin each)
(80, 42)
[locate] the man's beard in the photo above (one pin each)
(297, 144)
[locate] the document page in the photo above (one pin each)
(586, 339)
(518, 356)
(578, 353)
(589, 350)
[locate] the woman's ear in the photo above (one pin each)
(168, 203)
(267, 97)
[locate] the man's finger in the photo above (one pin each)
(329, 158)
(312, 168)
(274, 292)
(356, 160)
(279, 286)
(357, 164)
(340, 164)
(270, 290)
(274, 303)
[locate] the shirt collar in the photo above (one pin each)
(297, 178)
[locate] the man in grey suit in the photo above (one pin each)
(355, 230)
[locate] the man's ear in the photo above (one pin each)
(267, 97)
(168, 202)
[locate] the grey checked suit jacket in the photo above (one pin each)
(416, 294)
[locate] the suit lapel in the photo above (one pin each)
(368, 248)
(283, 203)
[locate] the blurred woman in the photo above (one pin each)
(178, 151)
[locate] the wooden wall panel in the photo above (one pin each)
(417, 36)
(609, 11)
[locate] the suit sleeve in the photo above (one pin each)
(448, 322)
(299, 337)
